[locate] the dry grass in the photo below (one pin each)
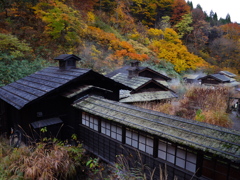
(213, 103)
(137, 170)
(45, 161)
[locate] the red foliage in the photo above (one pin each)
(180, 7)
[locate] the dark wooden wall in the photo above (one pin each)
(108, 146)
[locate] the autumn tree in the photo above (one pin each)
(198, 38)
(144, 11)
(226, 52)
(180, 8)
(63, 24)
(184, 26)
(164, 8)
(172, 49)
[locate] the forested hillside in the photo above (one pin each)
(168, 34)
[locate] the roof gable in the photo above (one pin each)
(65, 57)
(157, 74)
(141, 70)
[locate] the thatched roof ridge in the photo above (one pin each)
(206, 137)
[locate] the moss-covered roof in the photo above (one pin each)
(206, 137)
(133, 82)
(149, 96)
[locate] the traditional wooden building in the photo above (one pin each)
(147, 85)
(143, 89)
(134, 69)
(190, 149)
(218, 79)
(45, 97)
(192, 78)
(87, 104)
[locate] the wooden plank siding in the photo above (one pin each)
(184, 145)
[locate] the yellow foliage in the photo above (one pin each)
(172, 49)
(154, 33)
(90, 17)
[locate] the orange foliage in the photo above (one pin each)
(231, 31)
(123, 49)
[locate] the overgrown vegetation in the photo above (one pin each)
(199, 103)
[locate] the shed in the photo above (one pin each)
(214, 79)
(192, 78)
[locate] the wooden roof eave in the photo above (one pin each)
(113, 82)
(155, 82)
(153, 71)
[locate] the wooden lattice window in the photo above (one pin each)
(140, 141)
(111, 129)
(90, 121)
(186, 159)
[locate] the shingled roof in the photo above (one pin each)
(30, 88)
(229, 74)
(124, 70)
(206, 137)
(149, 96)
(134, 82)
(219, 77)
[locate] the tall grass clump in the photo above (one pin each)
(128, 169)
(52, 161)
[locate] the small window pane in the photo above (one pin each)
(190, 167)
(162, 155)
(181, 153)
(191, 157)
(135, 136)
(162, 146)
(128, 141)
(142, 147)
(180, 162)
(119, 137)
(134, 143)
(149, 150)
(171, 149)
(113, 135)
(170, 158)
(108, 132)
